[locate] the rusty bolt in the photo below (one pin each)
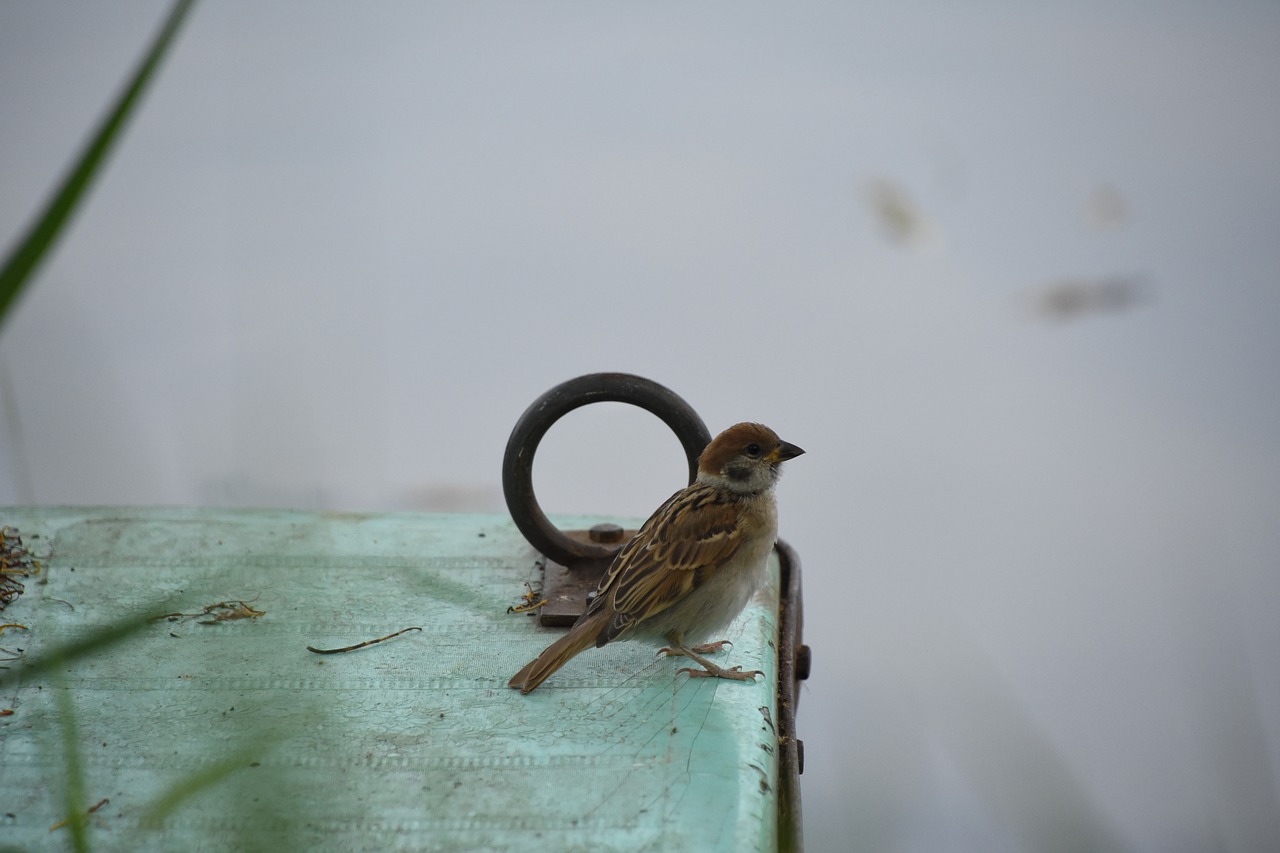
(606, 533)
(804, 660)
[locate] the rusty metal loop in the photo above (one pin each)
(517, 463)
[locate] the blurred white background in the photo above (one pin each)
(1007, 271)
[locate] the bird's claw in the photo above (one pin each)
(734, 673)
(704, 649)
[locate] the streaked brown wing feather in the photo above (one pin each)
(695, 530)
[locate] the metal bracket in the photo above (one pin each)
(577, 559)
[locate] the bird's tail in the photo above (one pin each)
(581, 637)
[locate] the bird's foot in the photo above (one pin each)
(733, 673)
(709, 669)
(704, 649)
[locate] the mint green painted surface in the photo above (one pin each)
(413, 744)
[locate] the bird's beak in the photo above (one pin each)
(785, 451)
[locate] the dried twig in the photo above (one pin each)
(93, 808)
(360, 645)
(12, 655)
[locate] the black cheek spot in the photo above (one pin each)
(738, 472)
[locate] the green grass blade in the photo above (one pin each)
(94, 642)
(73, 768)
(197, 783)
(43, 233)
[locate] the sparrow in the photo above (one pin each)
(692, 566)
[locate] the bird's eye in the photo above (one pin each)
(753, 450)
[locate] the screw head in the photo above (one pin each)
(605, 533)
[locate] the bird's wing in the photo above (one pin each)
(676, 550)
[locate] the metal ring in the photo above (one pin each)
(517, 463)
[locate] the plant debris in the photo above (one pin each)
(15, 562)
(530, 601)
(223, 611)
(361, 645)
(93, 808)
(11, 655)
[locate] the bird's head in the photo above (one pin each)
(746, 458)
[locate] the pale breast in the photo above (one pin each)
(711, 606)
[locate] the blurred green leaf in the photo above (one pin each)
(26, 256)
(94, 642)
(73, 791)
(199, 782)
